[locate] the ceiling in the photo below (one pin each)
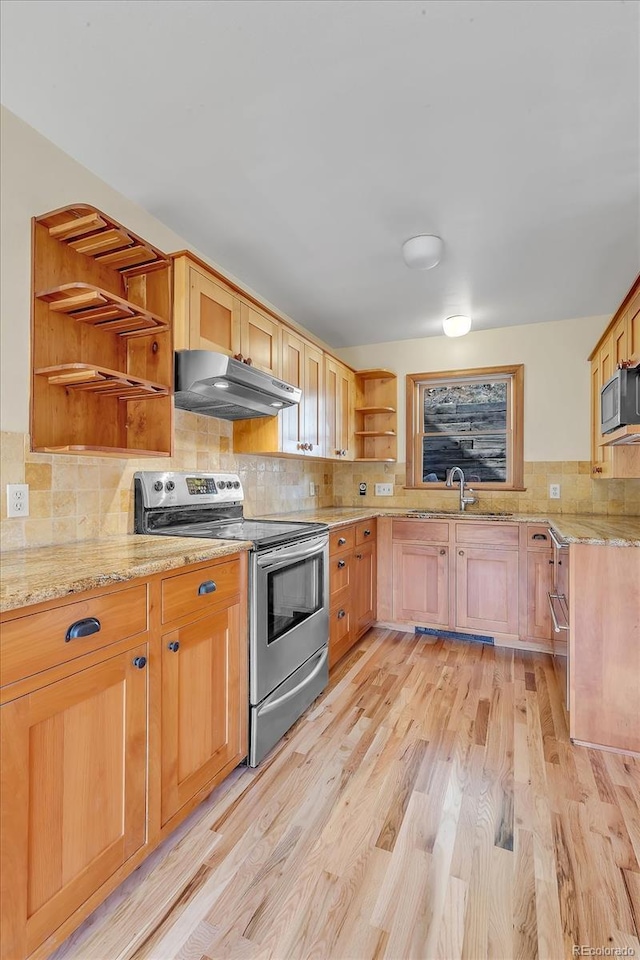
(298, 144)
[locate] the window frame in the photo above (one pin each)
(514, 373)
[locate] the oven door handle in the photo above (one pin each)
(298, 687)
(283, 559)
(560, 544)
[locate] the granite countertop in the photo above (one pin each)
(575, 528)
(47, 573)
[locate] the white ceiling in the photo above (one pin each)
(299, 143)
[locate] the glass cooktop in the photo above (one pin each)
(264, 533)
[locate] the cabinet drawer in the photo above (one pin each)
(538, 537)
(340, 573)
(505, 534)
(365, 531)
(431, 531)
(193, 592)
(37, 642)
(342, 539)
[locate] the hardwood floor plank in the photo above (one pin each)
(428, 805)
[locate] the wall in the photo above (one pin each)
(556, 377)
(79, 497)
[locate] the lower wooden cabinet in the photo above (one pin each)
(105, 752)
(74, 762)
(487, 589)
(352, 585)
(201, 730)
(539, 586)
(421, 583)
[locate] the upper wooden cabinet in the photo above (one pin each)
(299, 429)
(339, 404)
(617, 455)
(209, 315)
(101, 345)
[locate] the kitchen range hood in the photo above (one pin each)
(214, 385)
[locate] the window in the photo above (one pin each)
(466, 418)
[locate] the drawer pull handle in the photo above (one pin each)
(341, 614)
(82, 628)
(139, 662)
(367, 533)
(174, 646)
(539, 536)
(341, 564)
(207, 587)
(341, 541)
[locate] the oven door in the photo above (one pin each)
(289, 617)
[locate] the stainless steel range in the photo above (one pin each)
(288, 590)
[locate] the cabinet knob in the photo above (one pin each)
(461, 553)
(341, 541)
(367, 533)
(82, 628)
(597, 469)
(341, 614)
(358, 556)
(308, 446)
(139, 662)
(442, 552)
(341, 564)
(174, 646)
(208, 586)
(343, 453)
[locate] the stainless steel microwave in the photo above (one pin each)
(620, 400)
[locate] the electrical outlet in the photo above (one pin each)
(362, 489)
(312, 489)
(384, 489)
(554, 491)
(17, 499)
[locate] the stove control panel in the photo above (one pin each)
(171, 489)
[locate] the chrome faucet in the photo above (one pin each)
(463, 500)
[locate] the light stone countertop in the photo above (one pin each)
(574, 528)
(48, 573)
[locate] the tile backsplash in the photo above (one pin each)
(81, 498)
(578, 492)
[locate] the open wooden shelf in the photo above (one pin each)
(102, 310)
(121, 453)
(99, 380)
(372, 410)
(376, 375)
(376, 416)
(92, 233)
(628, 434)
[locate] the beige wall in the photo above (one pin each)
(37, 177)
(557, 397)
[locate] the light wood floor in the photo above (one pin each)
(429, 805)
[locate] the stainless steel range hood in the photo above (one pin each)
(214, 385)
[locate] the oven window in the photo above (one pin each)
(293, 594)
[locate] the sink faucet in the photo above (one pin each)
(450, 478)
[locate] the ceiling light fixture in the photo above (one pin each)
(422, 253)
(456, 326)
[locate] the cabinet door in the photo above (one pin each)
(214, 315)
(364, 587)
(600, 456)
(539, 586)
(293, 369)
(260, 339)
(421, 583)
(74, 756)
(633, 330)
(313, 400)
(339, 404)
(620, 341)
(201, 687)
(487, 589)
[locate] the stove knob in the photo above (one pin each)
(170, 485)
(236, 484)
(223, 485)
(158, 485)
